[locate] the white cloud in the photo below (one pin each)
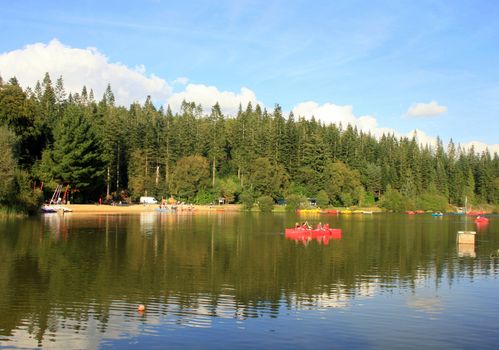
(331, 113)
(207, 96)
(328, 112)
(181, 81)
(430, 109)
(480, 147)
(80, 67)
(91, 68)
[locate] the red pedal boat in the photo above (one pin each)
(481, 220)
(322, 235)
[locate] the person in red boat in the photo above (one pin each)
(319, 226)
(326, 226)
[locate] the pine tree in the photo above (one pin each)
(75, 157)
(142, 146)
(48, 98)
(215, 139)
(167, 147)
(191, 176)
(17, 112)
(7, 165)
(289, 151)
(441, 179)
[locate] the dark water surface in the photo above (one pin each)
(229, 280)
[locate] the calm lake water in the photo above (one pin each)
(226, 280)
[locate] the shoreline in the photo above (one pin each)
(141, 208)
(150, 208)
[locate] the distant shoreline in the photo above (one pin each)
(141, 208)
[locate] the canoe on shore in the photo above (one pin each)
(330, 211)
(475, 213)
(308, 211)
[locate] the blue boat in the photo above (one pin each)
(437, 214)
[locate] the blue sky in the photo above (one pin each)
(378, 58)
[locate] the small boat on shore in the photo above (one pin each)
(47, 209)
(165, 210)
(330, 211)
(308, 211)
(52, 208)
(437, 214)
(475, 213)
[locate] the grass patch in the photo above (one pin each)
(6, 212)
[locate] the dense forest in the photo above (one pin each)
(102, 150)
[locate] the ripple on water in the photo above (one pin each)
(381, 291)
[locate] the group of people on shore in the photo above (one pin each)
(177, 206)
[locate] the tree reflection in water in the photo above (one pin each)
(63, 275)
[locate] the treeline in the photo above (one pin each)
(109, 151)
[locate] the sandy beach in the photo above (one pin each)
(139, 208)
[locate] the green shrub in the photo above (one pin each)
(346, 199)
(204, 197)
(228, 188)
(23, 199)
(393, 200)
(433, 201)
(322, 199)
(369, 200)
(30, 202)
(294, 201)
(247, 199)
(295, 188)
(265, 203)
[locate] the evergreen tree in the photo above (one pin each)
(140, 148)
(342, 184)
(48, 98)
(75, 157)
(267, 178)
(191, 176)
(441, 179)
(371, 179)
(7, 165)
(215, 139)
(17, 113)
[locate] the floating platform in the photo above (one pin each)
(466, 237)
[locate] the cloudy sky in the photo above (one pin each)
(384, 66)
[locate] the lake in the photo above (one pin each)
(225, 280)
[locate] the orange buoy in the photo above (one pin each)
(141, 307)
